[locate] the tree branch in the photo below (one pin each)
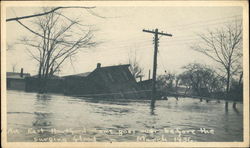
(45, 13)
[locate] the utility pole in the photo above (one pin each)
(156, 41)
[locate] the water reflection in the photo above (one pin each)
(235, 108)
(42, 115)
(236, 111)
(62, 112)
(152, 107)
(226, 107)
(43, 99)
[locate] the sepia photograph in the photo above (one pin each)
(125, 73)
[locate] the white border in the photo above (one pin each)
(244, 4)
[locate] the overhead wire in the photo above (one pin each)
(144, 41)
(205, 21)
(136, 37)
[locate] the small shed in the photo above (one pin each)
(16, 81)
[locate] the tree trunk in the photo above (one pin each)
(240, 80)
(228, 81)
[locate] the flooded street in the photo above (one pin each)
(57, 118)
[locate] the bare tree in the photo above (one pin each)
(167, 80)
(201, 79)
(135, 68)
(55, 40)
(53, 10)
(225, 47)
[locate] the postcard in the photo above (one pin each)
(125, 74)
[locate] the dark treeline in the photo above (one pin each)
(202, 81)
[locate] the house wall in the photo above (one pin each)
(75, 86)
(52, 85)
(146, 86)
(16, 84)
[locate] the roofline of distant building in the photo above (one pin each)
(95, 69)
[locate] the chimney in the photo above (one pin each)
(149, 74)
(140, 78)
(21, 74)
(98, 65)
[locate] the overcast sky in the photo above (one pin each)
(121, 33)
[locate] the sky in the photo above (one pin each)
(119, 29)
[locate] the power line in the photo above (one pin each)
(147, 44)
(146, 41)
(142, 41)
(205, 21)
(142, 47)
(206, 25)
(136, 37)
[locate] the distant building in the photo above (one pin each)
(53, 84)
(16, 81)
(146, 84)
(111, 81)
(76, 84)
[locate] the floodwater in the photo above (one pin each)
(57, 118)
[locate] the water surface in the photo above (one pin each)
(32, 117)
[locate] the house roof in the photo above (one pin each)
(149, 81)
(78, 75)
(83, 74)
(16, 75)
(109, 68)
(115, 66)
(113, 70)
(53, 76)
(116, 73)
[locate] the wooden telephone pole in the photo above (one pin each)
(156, 41)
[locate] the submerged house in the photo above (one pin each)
(146, 86)
(16, 81)
(54, 84)
(111, 82)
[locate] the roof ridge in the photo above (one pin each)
(115, 66)
(79, 74)
(17, 72)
